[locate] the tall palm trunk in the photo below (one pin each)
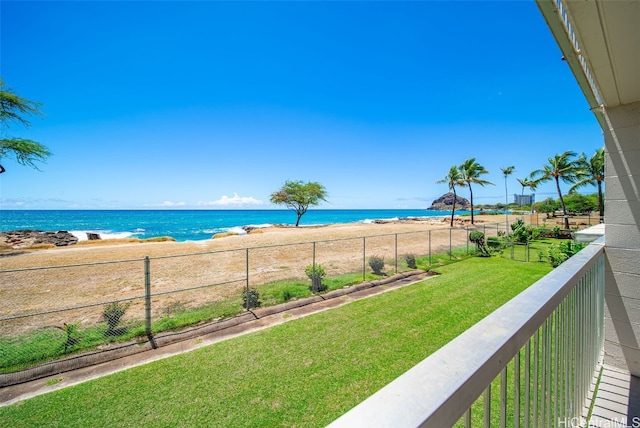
(506, 202)
(453, 210)
(471, 200)
(564, 208)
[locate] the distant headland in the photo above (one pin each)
(445, 203)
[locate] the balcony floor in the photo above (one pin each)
(617, 401)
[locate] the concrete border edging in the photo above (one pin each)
(124, 350)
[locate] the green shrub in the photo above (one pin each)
(410, 259)
(316, 273)
(71, 336)
(477, 238)
(250, 298)
(112, 314)
(557, 254)
(377, 264)
(523, 233)
(495, 243)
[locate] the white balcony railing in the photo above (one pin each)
(540, 353)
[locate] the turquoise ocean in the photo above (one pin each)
(186, 225)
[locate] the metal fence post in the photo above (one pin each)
(364, 258)
(450, 244)
(396, 253)
(147, 301)
(314, 256)
(467, 229)
(429, 248)
(247, 299)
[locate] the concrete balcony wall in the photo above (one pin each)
(622, 207)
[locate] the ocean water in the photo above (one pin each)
(184, 225)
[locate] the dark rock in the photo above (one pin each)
(93, 236)
(445, 203)
(28, 238)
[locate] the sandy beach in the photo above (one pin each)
(188, 274)
(109, 250)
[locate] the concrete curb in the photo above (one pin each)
(229, 327)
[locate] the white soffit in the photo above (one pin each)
(608, 33)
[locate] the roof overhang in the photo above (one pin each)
(600, 40)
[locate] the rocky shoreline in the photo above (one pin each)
(18, 239)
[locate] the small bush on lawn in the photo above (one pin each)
(523, 233)
(72, 336)
(495, 243)
(316, 273)
(112, 314)
(477, 238)
(410, 259)
(377, 264)
(250, 298)
(557, 254)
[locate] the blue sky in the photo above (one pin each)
(215, 104)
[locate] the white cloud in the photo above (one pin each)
(167, 204)
(29, 203)
(234, 201)
(12, 203)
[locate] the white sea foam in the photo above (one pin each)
(242, 230)
(104, 234)
(260, 226)
(369, 221)
(238, 230)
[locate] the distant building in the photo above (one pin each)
(524, 199)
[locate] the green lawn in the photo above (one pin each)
(303, 373)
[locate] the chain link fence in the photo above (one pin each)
(57, 318)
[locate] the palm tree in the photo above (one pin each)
(560, 167)
(453, 179)
(507, 171)
(591, 173)
(471, 172)
(525, 182)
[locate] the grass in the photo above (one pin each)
(306, 372)
(442, 259)
(278, 292)
(48, 344)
